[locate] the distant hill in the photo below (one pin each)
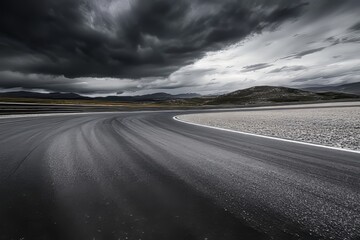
(74, 96)
(253, 95)
(353, 88)
(269, 94)
(187, 95)
(150, 97)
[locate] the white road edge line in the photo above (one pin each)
(268, 137)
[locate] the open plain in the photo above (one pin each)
(336, 126)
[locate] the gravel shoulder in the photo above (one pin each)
(335, 126)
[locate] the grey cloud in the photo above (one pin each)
(353, 75)
(111, 45)
(343, 40)
(255, 67)
(288, 69)
(11, 80)
(355, 27)
(304, 53)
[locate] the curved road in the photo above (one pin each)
(145, 176)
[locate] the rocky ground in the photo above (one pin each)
(335, 126)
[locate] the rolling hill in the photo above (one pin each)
(253, 95)
(270, 94)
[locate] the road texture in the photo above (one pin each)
(37, 108)
(145, 176)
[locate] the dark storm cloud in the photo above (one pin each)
(15, 80)
(33, 81)
(85, 45)
(149, 38)
(256, 67)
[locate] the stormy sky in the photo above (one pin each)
(178, 46)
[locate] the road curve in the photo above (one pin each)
(145, 176)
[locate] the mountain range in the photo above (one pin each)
(74, 96)
(253, 95)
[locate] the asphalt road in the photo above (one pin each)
(146, 176)
(36, 108)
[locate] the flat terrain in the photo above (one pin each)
(142, 175)
(332, 126)
(14, 108)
